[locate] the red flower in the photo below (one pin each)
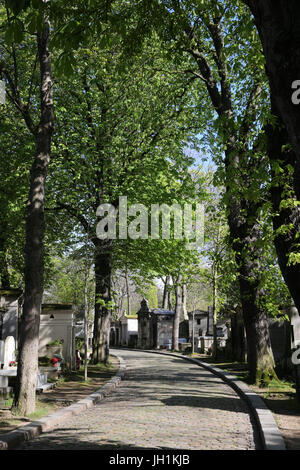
(54, 360)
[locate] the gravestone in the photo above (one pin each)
(9, 351)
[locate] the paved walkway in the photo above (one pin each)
(163, 403)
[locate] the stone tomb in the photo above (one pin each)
(57, 323)
(124, 332)
(9, 351)
(155, 327)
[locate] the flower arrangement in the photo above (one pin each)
(54, 361)
(12, 363)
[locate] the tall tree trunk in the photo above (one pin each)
(103, 263)
(166, 302)
(128, 292)
(178, 308)
(259, 353)
(286, 217)
(169, 293)
(193, 331)
(120, 309)
(85, 323)
(184, 299)
(215, 337)
(237, 336)
(243, 223)
(165, 294)
(278, 24)
(24, 401)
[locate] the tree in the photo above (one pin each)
(34, 261)
(166, 292)
(184, 301)
(41, 130)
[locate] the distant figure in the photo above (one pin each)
(78, 359)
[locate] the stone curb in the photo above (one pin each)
(270, 435)
(14, 438)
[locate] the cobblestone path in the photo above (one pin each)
(163, 403)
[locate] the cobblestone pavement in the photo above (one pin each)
(163, 403)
